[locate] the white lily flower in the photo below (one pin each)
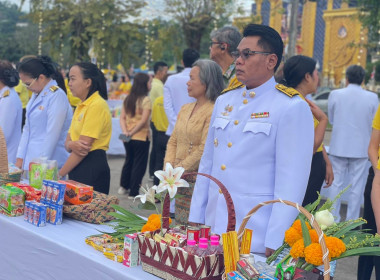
(170, 179)
(149, 194)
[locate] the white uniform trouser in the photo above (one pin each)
(357, 170)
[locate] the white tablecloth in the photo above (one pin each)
(116, 145)
(56, 253)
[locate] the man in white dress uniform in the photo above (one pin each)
(350, 111)
(259, 145)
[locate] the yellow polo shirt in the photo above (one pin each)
(159, 117)
(376, 125)
(92, 118)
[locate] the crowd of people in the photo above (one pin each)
(225, 116)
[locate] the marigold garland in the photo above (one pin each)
(297, 226)
(335, 246)
(292, 236)
(313, 254)
(153, 223)
(297, 250)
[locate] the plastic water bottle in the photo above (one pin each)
(215, 247)
(191, 247)
(202, 249)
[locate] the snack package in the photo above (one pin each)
(58, 192)
(52, 170)
(131, 256)
(37, 172)
(55, 214)
(247, 270)
(30, 192)
(234, 275)
(39, 214)
(77, 193)
(12, 200)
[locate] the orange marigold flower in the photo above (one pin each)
(292, 235)
(313, 254)
(314, 236)
(335, 246)
(154, 217)
(297, 250)
(147, 227)
(297, 225)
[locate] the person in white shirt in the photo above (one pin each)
(10, 108)
(350, 111)
(259, 145)
(175, 89)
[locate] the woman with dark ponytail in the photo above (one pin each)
(10, 108)
(90, 131)
(301, 74)
(48, 113)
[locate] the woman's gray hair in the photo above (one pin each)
(211, 76)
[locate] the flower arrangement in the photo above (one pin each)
(302, 243)
(170, 181)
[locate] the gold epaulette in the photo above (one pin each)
(289, 91)
(238, 85)
(6, 93)
(53, 88)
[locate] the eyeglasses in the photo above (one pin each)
(215, 43)
(29, 85)
(245, 54)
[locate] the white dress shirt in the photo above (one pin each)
(257, 159)
(10, 120)
(175, 96)
(351, 111)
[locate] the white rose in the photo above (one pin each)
(324, 219)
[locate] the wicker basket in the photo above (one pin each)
(313, 223)
(169, 262)
(95, 212)
(5, 176)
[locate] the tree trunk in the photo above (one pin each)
(293, 29)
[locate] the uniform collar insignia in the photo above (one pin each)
(239, 85)
(289, 91)
(53, 88)
(6, 93)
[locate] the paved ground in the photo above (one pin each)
(346, 268)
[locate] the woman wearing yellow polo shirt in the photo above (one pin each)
(301, 74)
(90, 131)
(374, 153)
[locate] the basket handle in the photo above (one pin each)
(3, 154)
(230, 204)
(308, 215)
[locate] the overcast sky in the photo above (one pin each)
(154, 5)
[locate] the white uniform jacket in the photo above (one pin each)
(351, 111)
(257, 159)
(10, 120)
(48, 119)
(175, 96)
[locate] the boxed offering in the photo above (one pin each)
(131, 250)
(55, 214)
(35, 213)
(53, 191)
(12, 201)
(77, 193)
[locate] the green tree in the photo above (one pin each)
(196, 17)
(370, 17)
(104, 25)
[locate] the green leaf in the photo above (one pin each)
(349, 227)
(329, 203)
(305, 233)
(365, 251)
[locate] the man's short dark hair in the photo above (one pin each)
(189, 56)
(355, 74)
(158, 66)
(270, 40)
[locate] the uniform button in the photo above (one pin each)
(229, 144)
(252, 94)
(216, 142)
(244, 93)
(245, 101)
(220, 191)
(223, 167)
(236, 122)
